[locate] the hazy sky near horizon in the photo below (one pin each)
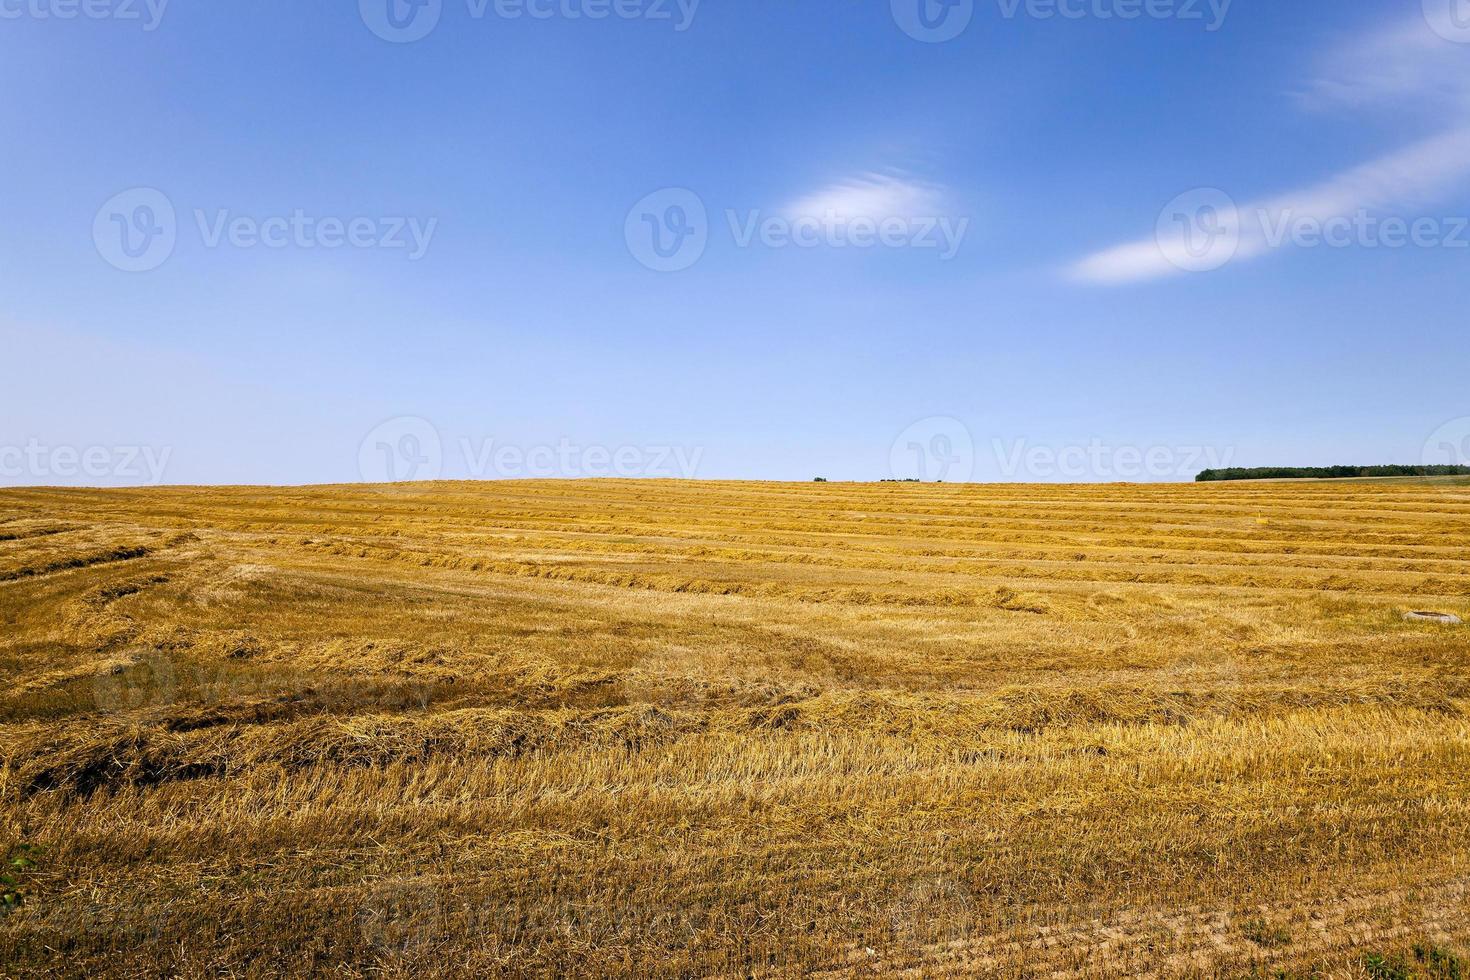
(286, 242)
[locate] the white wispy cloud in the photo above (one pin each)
(1410, 67)
(872, 196)
(1407, 65)
(1410, 178)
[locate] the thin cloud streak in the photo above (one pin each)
(1410, 178)
(1411, 67)
(871, 196)
(1406, 67)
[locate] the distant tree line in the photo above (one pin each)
(1326, 472)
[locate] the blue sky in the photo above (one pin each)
(1032, 312)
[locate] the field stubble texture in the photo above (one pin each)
(647, 729)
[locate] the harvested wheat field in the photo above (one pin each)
(680, 729)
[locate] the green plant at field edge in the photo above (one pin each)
(19, 860)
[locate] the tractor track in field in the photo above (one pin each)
(1189, 942)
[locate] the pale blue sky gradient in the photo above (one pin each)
(528, 322)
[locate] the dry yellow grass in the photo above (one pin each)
(734, 729)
